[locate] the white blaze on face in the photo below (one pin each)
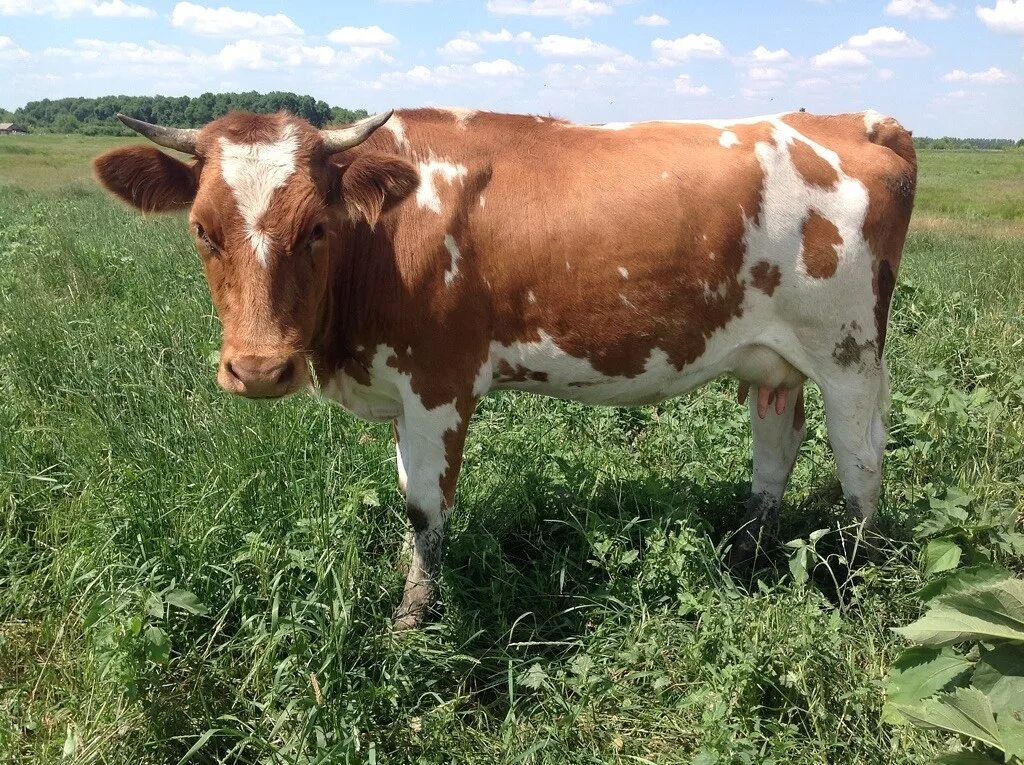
(254, 171)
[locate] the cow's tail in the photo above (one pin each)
(888, 132)
(900, 184)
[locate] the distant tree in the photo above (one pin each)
(339, 115)
(66, 123)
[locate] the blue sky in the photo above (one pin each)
(940, 67)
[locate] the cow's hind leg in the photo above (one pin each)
(430, 451)
(779, 429)
(856, 404)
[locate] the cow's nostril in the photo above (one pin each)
(287, 371)
(231, 370)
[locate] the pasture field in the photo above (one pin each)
(189, 577)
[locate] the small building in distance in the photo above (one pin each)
(10, 128)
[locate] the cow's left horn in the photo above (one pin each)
(179, 139)
(354, 134)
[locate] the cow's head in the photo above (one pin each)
(270, 197)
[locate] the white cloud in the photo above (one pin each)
(367, 37)
(574, 47)
(449, 74)
(920, 9)
(654, 20)
(887, 41)
(501, 67)
(152, 53)
(992, 74)
(1004, 16)
(765, 73)
(261, 55)
(684, 84)
(227, 22)
(684, 48)
(813, 83)
(65, 8)
(501, 36)
(571, 10)
(459, 47)
(761, 53)
(840, 56)
(9, 50)
(121, 9)
(885, 74)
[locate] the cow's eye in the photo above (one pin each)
(203, 237)
(317, 233)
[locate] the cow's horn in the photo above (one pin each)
(179, 139)
(354, 134)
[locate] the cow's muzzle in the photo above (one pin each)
(260, 376)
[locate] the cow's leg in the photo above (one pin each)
(778, 432)
(856, 403)
(430, 450)
(403, 480)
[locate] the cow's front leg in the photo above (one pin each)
(429, 450)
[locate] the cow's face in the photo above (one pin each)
(269, 195)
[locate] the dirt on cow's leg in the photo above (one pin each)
(421, 582)
(778, 433)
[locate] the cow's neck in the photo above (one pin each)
(362, 300)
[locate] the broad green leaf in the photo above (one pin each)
(965, 711)
(798, 565)
(941, 555)
(965, 758)
(962, 580)
(155, 606)
(534, 677)
(984, 613)
(921, 672)
(99, 609)
(1011, 734)
(999, 674)
(186, 601)
(158, 646)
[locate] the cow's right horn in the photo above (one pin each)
(179, 139)
(354, 134)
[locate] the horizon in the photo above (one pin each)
(942, 69)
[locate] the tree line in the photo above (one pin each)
(96, 116)
(977, 144)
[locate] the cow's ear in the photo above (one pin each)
(147, 178)
(375, 182)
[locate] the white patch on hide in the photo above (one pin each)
(728, 139)
(427, 196)
(453, 250)
(397, 128)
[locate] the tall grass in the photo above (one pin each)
(186, 575)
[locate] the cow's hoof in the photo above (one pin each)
(405, 622)
(745, 553)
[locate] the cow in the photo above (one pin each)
(407, 264)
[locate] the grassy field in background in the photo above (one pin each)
(188, 575)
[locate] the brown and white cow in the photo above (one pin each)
(408, 264)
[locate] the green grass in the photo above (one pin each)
(588, 618)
